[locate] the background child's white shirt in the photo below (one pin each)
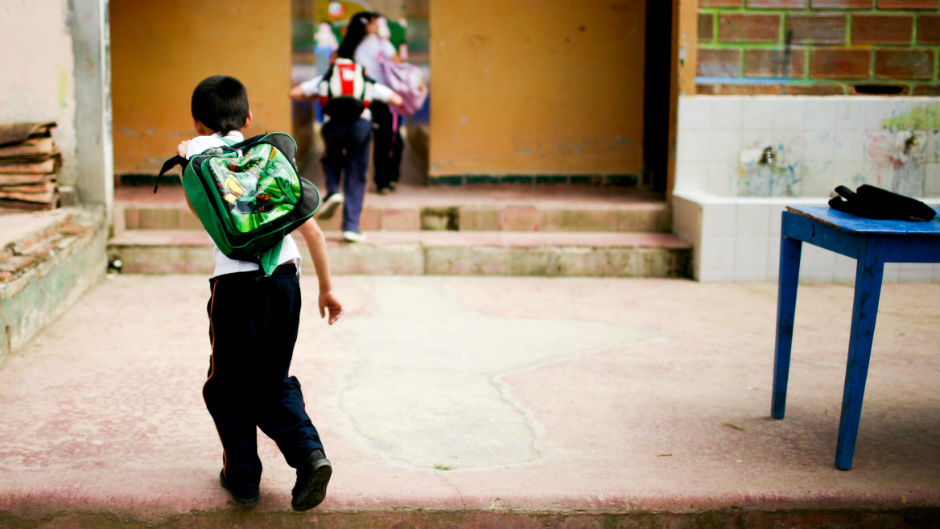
(224, 264)
(380, 92)
(367, 54)
(310, 88)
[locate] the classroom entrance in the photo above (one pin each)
(540, 92)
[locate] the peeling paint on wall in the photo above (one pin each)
(900, 152)
(62, 85)
(899, 160)
(812, 145)
(921, 117)
(764, 171)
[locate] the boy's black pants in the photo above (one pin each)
(253, 323)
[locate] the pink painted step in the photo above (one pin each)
(512, 208)
(438, 252)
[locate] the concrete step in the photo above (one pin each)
(27, 240)
(40, 514)
(481, 208)
(27, 237)
(599, 254)
(48, 259)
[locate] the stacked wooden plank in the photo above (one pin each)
(29, 160)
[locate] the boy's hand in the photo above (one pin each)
(329, 303)
(182, 147)
(396, 100)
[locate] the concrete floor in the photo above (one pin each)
(488, 396)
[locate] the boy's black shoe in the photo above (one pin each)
(312, 478)
(244, 501)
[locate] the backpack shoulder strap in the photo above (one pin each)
(323, 86)
(350, 83)
(167, 165)
(180, 161)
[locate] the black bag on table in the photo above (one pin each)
(876, 203)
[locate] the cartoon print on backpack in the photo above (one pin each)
(255, 186)
(229, 186)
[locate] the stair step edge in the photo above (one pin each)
(432, 238)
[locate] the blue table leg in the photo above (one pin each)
(868, 275)
(790, 250)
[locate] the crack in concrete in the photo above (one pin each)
(462, 358)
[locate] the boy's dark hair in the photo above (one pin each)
(220, 102)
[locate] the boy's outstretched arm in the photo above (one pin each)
(316, 244)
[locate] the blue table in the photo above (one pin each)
(872, 243)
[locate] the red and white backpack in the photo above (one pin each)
(344, 91)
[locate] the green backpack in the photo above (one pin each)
(248, 195)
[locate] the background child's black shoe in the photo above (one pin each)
(312, 479)
(244, 501)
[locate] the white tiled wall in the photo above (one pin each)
(737, 238)
(828, 141)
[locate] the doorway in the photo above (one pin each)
(318, 27)
(657, 94)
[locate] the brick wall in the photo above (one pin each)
(818, 47)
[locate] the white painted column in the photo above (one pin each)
(94, 180)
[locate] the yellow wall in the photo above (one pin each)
(161, 50)
(533, 87)
(686, 21)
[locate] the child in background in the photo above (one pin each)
(364, 45)
(347, 136)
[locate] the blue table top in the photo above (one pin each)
(845, 221)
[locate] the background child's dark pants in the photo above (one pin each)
(388, 145)
(253, 323)
(347, 150)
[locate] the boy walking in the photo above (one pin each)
(253, 322)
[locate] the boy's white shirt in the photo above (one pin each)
(224, 264)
